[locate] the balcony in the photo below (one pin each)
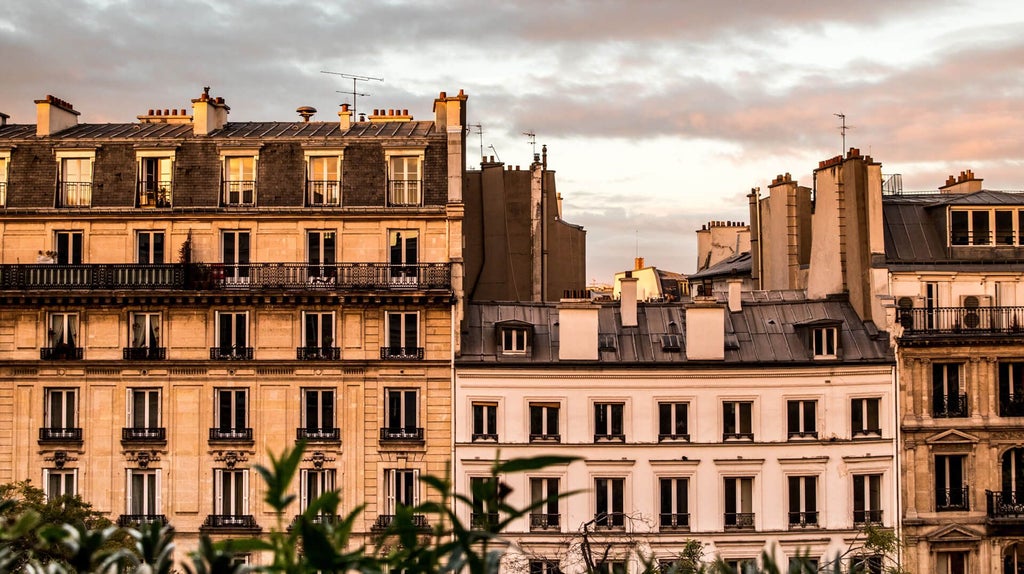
(155, 194)
(404, 193)
(674, 521)
(137, 520)
(231, 353)
(325, 434)
(384, 521)
(739, 520)
(803, 519)
(250, 277)
(233, 522)
(483, 520)
(144, 434)
(610, 521)
(1011, 405)
(318, 353)
(737, 436)
(951, 406)
(610, 437)
(231, 434)
(323, 193)
(953, 499)
(542, 521)
(74, 194)
(401, 353)
(545, 438)
(61, 353)
(323, 519)
(239, 193)
(961, 321)
(802, 435)
(401, 434)
(66, 434)
(673, 438)
(862, 517)
(144, 353)
(484, 437)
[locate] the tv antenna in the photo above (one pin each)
(533, 142)
(480, 132)
(355, 78)
(496, 156)
(843, 128)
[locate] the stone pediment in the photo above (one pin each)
(951, 436)
(954, 534)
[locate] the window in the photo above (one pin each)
(239, 181)
(485, 421)
(484, 494)
(315, 483)
(69, 247)
(951, 490)
(801, 419)
(544, 493)
(951, 563)
(513, 340)
(741, 566)
(60, 416)
(864, 417)
(803, 501)
(323, 180)
(401, 486)
(320, 257)
(235, 257)
(871, 564)
(63, 337)
(144, 335)
(143, 415)
(404, 181)
(824, 341)
(143, 493)
(608, 494)
(1012, 493)
(736, 420)
(611, 567)
(608, 422)
(231, 494)
(671, 343)
(739, 503)
(867, 498)
(1011, 389)
(402, 415)
(544, 422)
(402, 336)
(318, 415)
(59, 482)
(231, 415)
(155, 181)
(232, 336)
(5, 161)
(675, 504)
(150, 247)
(986, 226)
(75, 186)
(544, 567)
(803, 565)
(673, 421)
(318, 337)
(403, 257)
(947, 399)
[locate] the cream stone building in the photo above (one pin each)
(183, 294)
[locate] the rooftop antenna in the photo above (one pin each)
(496, 156)
(352, 94)
(842, 129)
(480, 132)
(354, 79)
(636, 235)
(533, 142)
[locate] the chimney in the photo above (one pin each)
(963, 183)
(345, 118)
(3, 119)
(165, 117)
(577, 330)
(627, 300)
(389, 115)
(638, 263)
(735, 289)
(450, 110)
(208, 114)
(705, 330)
(54, 115)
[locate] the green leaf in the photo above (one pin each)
(531, 463)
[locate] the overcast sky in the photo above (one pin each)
(658, 115)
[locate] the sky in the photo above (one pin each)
(658, 115)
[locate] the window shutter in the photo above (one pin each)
(414, 483)
(218, 491)
(129, 403)
(128, 491)
(245, 492)
(390, 487)
(159, 488)
(304, 489)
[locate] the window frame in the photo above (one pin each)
(161, 190)
(742, 418)
(678, 515)
(392, 494)
(313, 483)
(79, 193)
(550, 504)
(5, 175)
(953, 405)
(864, 499)
(403, 349)
(404, 195)
(71, 330)
(957, 496)
(484, 417)
(805, 507)
(672, 423)
(218, 409)
(331, 394)
(609, 417)
(152, 253)
(613, 494)
(63, 475)
(331, 194)
(236, 350)
(742, 506)
(825, 342)
(397, 425)
(545, 419)
(236, 247)
(222, 501)
(801, 431)
(244, 186)
(859, 425)
(147, 327)
(155, 486)
(150, 422)
(69, 247)
(48, 404)
(319, 345)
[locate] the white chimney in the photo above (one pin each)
(627, 300)
(208, 114)
(54, 115)
(345, 117)
(735, 289)
(705, 332)
(577, 330)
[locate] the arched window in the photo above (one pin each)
(1013, 558)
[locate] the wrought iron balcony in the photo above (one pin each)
(404, 193)
(542, 521)
(674, 437)
(733, 436)
(239, 193)
(545, 438)
(231, 353)
(956, 321)
(74, 194)
(384, 521)
(154, 194)
(143, 434)
(231, 434)
(1011, 405)
(674, 521)
(332, 519)
(609, 437)
(739, 520)
(1005, 505)
(867, 517)
(324, 434)
(144, 353)
(483, 520)
(136, 520)
(610, 520)
(230, 522)
(61, 353)
(401, 434)
(953, 499)
(951, 406)
(803, 519)
(484, 437)
(323, 193)
(401, 353)
(318, 353)
(66, 434)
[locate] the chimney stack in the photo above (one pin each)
(345, 118)
(577, 330)
(705, 331)
(627, 300)
(638, 263)
(3, 119)
(54, 115)
(735, 291)
(208, 114)
(966, 182)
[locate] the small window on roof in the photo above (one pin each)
(513, 341)
(825, 342)
(671, 343)
(606, 342)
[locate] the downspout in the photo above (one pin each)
(543, 224)
(898, 447)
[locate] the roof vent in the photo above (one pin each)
(306, 112)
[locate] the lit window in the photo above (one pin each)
(405, 180)
(74, 188)
(323, 180)
(5, 162)
(239, 181)
(156, 175)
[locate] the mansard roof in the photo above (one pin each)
(232, 130)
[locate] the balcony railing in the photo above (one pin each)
(61, 353)
(239, 193)
(323, 193)
(74, 194)
(674, 521)
(384, 521)
(331, 277)
(542, 521)
(803, 519)
(739, 520)
(484, 437)
(318, 353)
(136, 520)
(867, 516)
(545, 437)
(143, 434)
(483, 520)
(609, 437)
(228, 434)
(674, 437)
(961, 320)
(797, 435)
(1011, 405)
(610, 520)
(154, 194)
(331, 434)
(738, 436)
(67, 434)
(953, 499)
(1005, 505)
(401, 353)
(231, 522)
(404, 193)
(231, 353)
(866, 433)
(405, 433)
(144, 353)
(951, 406)
(332, 519)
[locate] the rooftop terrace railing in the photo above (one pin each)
(961, 320)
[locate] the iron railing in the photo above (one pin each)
(144, 353)
(866, 433)
(318, 353)
(144, 434)
(803, 519)
(384, 520)
(951, 406)
(547, 437)
(953, 498)
(961, 320)
(1005, 504)
(610, 520)
(74, 194)
(674, 436)
(401, 353)
(738, 436)
(154, 194)
(66, 434)
(483, 520)
(231, 521)
(674, 521)
(239, 434)
(404, 193)
(318, 434)
(136, 520)
(319, 518)
(239, 193)
(867, 516)
(610, 437)
(485, 437)
(61, 353)
(1011, 405)
(739, 520)
(323, 193)
(231, 353)
(402, 433)
(544, 521)
(802, 435)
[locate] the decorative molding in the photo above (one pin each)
(230, 458)
(318, 458)
(60, 458)
(142, 458)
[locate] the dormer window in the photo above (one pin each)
(514, 337)
(323, 178)
(405, 177)
(74, 180)
(239, 181)
(824, 342)
(5, 161)
(156, 175)
(671, 343)
(986, 226)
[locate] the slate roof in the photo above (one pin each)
(232, 130)
(769, 329)
(739, 264)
